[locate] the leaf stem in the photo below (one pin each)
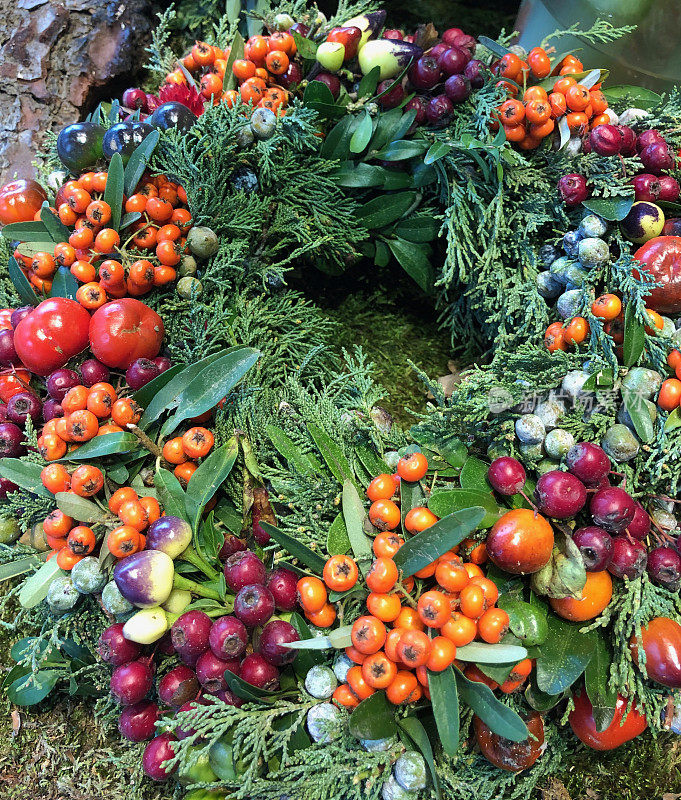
(151, 446)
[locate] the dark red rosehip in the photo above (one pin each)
(645, 138)
(628, 147)
(425, 73)
(440, 110)
(646, 187)
(190, 633)
(475, 72)
(163, 363)
(228, 637)
(437, 50)
(18, 314)
(8, 354)
(639, 527)
(140, 372)
(114, 648)
(506, 475)
(60, 381)
(6, 487)
(260, 673)
(210, 670)
(254, 605)
(656, 158)
(450, 36)
(454, 60)
(419, 105)
(93, 371)
(243, 568)
(11, 438)
(283, 583)
(560, 494)
(301, 28)
(669, 189)
(131, 682)
(230, 698)
(52, 410)
(185, 733)
(178, 686)
(606, 140)
(588, 462)
(138, 723)
(664, 567)
(573, 189)
(612, 508)
(231, 545)
(273, 640)
(628, 558)
(390, 99)
(155, 754)
(259, 533)
(457, 88)
(393, 33)
(23, 405)
(134, 99)
(595, 545)
(292, 77)
(672, 227)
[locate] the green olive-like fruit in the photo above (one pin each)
(189, 287)
(642, 381)
(202, 241)
(620, 443)
(9, 530)
(79, 146)
(87, 576)
(187, 266)
(558, 442)
(263, 123)
(113, 601)
(62, 595)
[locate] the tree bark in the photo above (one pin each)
(58, 60)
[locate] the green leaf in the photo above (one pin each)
(538, 700)
(563, 657)
(370, 460)
(392, 125)
(638, 96)
(415, 261)
(306, 47)
(140, 158)
(106, 445)
(297, 549)
(21, 284)
(500, 718)
(332, 454)
(33, 231)
(384, 210)
(635, 404)
(306, 659)
(21, 566)
(146, 394)
(35, 588)
(171, 495)
(247, 692)
(431, 543)
(337, 541)
(337, 143)
(209, 539)
(634, 336)
(129, 218)
(603, 379)
(527, 622)
(450, 500)
(213, 383)
(414, 729)
(354, 516)
(359, 176)
(31, 248)
(596, 680)
(673, 420)
(494, 47)
(474, 474)
(418, 229)
(401, 150)
(411, 496)
(58, 232)
(113, 192)
(483, 653)
(289, 450)
(25, 474)
(236, 51)
(34, 687)
(362, 134)
(318, 94)
(611, 208)
(436, 151)
(374, 718)
(367, 86)
(81, 509)
(64, 284)
(444, 698)
(208, 478)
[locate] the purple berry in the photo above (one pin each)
(156, 753)
(273, 640)
(560, 494)
(11, 438)
(283, 583)
(475, 72)
(419, 105)
(669, 189)
(573, 189)
(190, 633)
(232, 544)
(628, 147)
(330, 80)
(93, 372)
(450, 36)
(134, 99)
(8, 355)
(588, 462)
(392, 98)
(163, 363)
(52, 409)
(130, 683)
(114, 648)
(440, 110)
(656, 158)
(651, 136)
(210, 670)
(60, 381)
(23, 405)
(457, 88)
(506, 475)
(178, 686)
(646, 187)
(453, 61)
(244, 568)
(425, 73)
(254, 605)
(612, 509)
(260, 673)
(138, 722)
(140, 372)
(639, 527)
(664, 567)
(228, 637)
(19, 314)
(628, 558)
(6, 487)
(292, 77)
(230, 698)
(606, 140)
(595, 545)
(465, 41)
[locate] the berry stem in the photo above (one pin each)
(151, 446)
(180, 582)
(192, 557)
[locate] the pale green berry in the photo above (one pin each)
(530, 429)
(322, 722)
(321, 682)
(62, 595)
(113, 601)
(558, 442)
(410, 771)
(620, 443)
(87, 576)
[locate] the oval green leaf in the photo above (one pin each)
(500, 718)
(450, 500)
(297, 549)
(208, 478)
(444, 698)
(374, 718)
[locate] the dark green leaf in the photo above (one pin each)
(33, 688)
(31, 248)
(392, 125)
(337, 541)
(317, 95)
(306, 47)
(362, 134)
(474, 474)
(414, 729)
(596, 679)
(527, 622)
(35, 588)
(21, 284)
(396, 180)
(638, 96)
(384, 210)
(64, 284)
(430, 544)
(538, 700)
(359, 176)
(564, 655)
(306, 659)
(208, 478)
(209, 539)
(401, 149)
(610, 208)
(33, 231)
(57, 231)
(148, 392)
(171, 495)
(297, 549)
(673, 420)
(249, 693)
(496, 48)
(437, 151)
(105, 445)
(287, 448)
(418, 229)
(603, 379)
(332, 453)
(415, 261)
(129, 218)
(236, 51)
(371, 461)
(634, 336)
(337, 143)
(367, 86)
(501, 719)
(635, 404)
(114, 190)
(444, 698)
(212, 383)
(374, 718)
(354, 516)
(25, 474)
(449, 500)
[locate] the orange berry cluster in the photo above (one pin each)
(206, 62)
(530, 120)
(94, 253)
(182, 451)
(402, 638)
(88, 412)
